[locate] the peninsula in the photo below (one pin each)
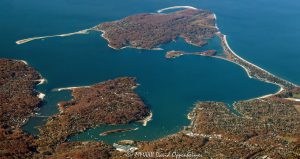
(147, 31)
(18, 97)
(265, 127)
(19, 101)
(252, 70)
(86, 31)
(174, 54)
(109, 102)
(268, 128)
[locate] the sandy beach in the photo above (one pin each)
(86, 31)
(41, 81)
(175, 7)
(25, 62)
(216, 25)
(68, 88)
(104, 37)
(293, 99)
(41, 95)
(147, 119)
(269, 95)
(140, 48)
(282, 87)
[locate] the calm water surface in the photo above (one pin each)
(169, 86)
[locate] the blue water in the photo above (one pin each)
(169, 87)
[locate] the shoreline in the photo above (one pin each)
(41, 81)
(268, 95)
(105, 133)
(23, 41)
(246, 65)
(252, 70)
(146, 119)
(175, 7)
(124, 47)
(216, 25)
(68, 88)
(140, 48)
(41, 96)
(25, 62)
(293, 99)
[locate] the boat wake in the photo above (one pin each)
(176, 7)
(86, 31)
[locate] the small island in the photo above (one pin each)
(117, 131)
(174, 54)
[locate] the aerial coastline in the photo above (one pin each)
(41, 95)
(117, 131)
(108, 28)
(105, 103)
(18, 81)
(175, 54)
(193, 25)
(19, 101)
(146, 119)
(246, 129)
(41, 80)
(118, 39)
(69, 88)
(85, 31)
(176, 7)
(252, 70)
(266, 127)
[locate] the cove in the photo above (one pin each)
(169, 87)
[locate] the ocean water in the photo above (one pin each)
(169, 87)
